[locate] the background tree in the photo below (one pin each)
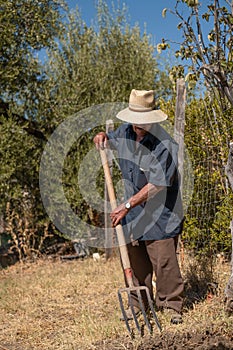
(26, 28)
(99, 64)
(208, 52)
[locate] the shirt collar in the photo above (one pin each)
(148, 140)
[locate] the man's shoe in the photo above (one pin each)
(175, 317)
(129, 313)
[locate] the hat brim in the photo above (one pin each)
(154, 116)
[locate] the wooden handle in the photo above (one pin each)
(119, 229)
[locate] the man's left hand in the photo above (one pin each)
(118, 214)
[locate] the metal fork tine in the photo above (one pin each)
(153, 310)
(133, 311)
(123, 312)
(138, 291)
(142, 307)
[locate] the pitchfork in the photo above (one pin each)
(126, 265)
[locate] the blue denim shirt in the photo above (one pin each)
(153, 160)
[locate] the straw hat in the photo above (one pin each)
(141, 109)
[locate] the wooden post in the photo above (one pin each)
(2, 228)
(109, 231)
(229, 287)
(179, 138)
(179, 125)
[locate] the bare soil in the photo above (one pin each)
(207, 340)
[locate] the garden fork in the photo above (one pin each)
(126, 265)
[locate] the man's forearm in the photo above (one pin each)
(147, 192)
(143, 195)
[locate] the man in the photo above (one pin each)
(152, 212)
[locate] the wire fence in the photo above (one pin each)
(207, 136)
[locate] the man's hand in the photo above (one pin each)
(100, 140)
(147, 192)
(118, 214)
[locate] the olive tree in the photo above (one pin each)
(26, 28)
(97, 64)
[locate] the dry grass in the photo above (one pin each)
(73, 305)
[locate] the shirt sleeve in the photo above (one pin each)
(115, 136)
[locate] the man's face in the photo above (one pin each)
(141, 129)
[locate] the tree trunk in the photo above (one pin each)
(229, 287)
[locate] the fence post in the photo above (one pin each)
(229, 287)
(179, 125)
(109, 231)
(179, 138)
(2, 228)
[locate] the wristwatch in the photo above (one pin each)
(127, 205)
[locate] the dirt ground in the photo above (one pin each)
(167, 341)
(207, 340)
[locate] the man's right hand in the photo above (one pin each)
(100, 140)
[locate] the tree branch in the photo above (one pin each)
(200, 35)
(191, 33)
(216, 28)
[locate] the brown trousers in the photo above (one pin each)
(160, 257)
